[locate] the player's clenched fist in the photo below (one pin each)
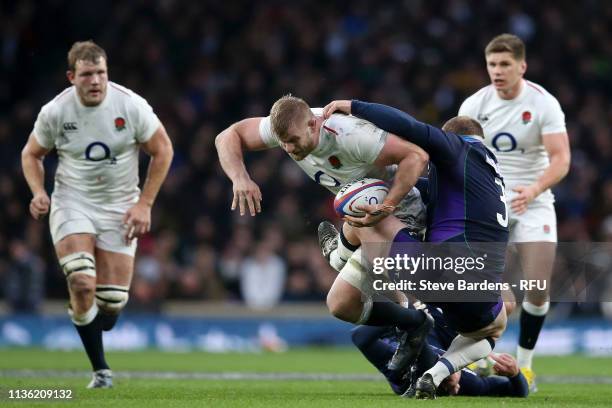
(247, 194)
(39, 206)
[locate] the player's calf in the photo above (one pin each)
(80, 271)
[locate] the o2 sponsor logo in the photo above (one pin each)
(98, 151)
(502, 139)
(504, 142)
(325, 179)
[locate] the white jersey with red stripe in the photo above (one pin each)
(97, 146)
(513, 129)
(347, 149)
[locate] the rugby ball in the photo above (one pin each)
(357, 193)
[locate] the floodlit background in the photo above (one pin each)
(206, 278)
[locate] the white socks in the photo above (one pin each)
(461, 352)
(85, 318)
(524, 356)
(339, 256)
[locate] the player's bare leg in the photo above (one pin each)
(111, 294)
(465, 349)
(73, 252)
(76, 256)
(345, 301)
(115, 272)
(354, 305)
(484, 367)
(537, 260)
(352, 299)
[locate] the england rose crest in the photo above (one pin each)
(119, 123)
(335, 162)
(526, 117)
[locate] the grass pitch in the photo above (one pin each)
(298, 378)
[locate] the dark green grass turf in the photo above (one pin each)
(258, 393)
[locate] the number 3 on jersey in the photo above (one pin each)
(502, 219)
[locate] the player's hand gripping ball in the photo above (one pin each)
(357, 193)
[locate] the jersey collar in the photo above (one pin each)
(90, 108)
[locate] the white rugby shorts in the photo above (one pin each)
(537, 224)
(74, 216)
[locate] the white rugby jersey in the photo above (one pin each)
(513, 130)
(97, 146)
(347, 149)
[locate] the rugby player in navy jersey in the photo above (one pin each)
(378, 344)
(467, 207)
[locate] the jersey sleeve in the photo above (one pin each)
(441, 146)
(44, 128)
(553, 118)
(147, 121)
(267, 134)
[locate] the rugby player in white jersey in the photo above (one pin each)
(333, 152)
(525, 127)
(96, 210)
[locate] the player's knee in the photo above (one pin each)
(341, 307)
(82, 288)
(111, 298)
(510, 306)
(333, 304)
(78, 264)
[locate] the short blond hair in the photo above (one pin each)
(285, 112)
(85, 51)
(507, 43)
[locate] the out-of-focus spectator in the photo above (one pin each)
(262, 278)
(148, 286)
(299, 286)
(200, 76)
(24, 286)
(199, 278)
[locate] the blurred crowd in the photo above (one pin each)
(203, 65)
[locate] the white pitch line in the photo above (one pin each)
(287, 376)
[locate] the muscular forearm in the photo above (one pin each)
(406, 176)
(231, 159)
(34, 172)
(156, 174)
(556, 171)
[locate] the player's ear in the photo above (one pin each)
(70, 76)
(312, 122)
(523, 67)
